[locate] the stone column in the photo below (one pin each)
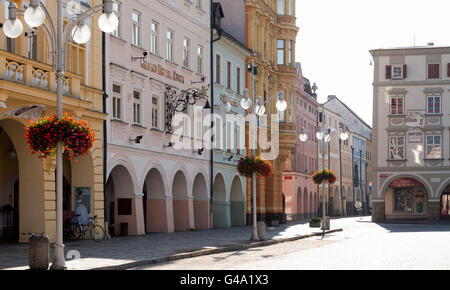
(434, 210)
(378, 211)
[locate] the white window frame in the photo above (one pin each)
(137, 103)
(280, 58)
(136, 28)
(155, 112)
(433, 146)
(397, 72)
(117, 98)
(200, 53)
(397, 106)
(170, 45)
(434, 108)
(186, 52)
(154, 41)
(117, 32)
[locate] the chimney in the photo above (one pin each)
(331, 97)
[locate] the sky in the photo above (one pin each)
(335, 37)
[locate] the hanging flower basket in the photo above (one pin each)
(76, 135)
(322, 176)
(263, 167)
(247, 166)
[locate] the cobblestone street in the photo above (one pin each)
(362, 245)
(123, 250)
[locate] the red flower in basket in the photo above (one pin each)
(327, 176)
(76, 135)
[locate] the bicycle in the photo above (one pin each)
(96, 231)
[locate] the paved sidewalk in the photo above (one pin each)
(129, 252)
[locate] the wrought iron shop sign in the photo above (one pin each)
(178, 102)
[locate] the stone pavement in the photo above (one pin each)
(129, 252)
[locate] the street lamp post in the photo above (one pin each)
(258, 107)
(35, 16)
(324, 135)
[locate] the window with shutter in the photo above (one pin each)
(448, 70)
(433, 71)
(388, 72)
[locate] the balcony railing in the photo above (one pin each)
(24, 71)
(288, 128)
(286, 20)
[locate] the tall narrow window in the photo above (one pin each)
(200, 60)
(397, 148)
(218, 68)
(169, 44)
(280, 7)
(229, 139)
(154, 38)
(280, 50)
(238, 139)
(238, 80)
(117, 102)
(434, 146)
(155, 112)
(397, 106)
(186, 52)
(228, 75)
(137, 107)
(116, 10)
(291, 56)
(433, 71)
(291, 103)
(433, 104)
(136, 37)
(291, 8)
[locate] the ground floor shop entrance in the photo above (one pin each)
(445, 204)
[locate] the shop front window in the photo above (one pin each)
(403, 200)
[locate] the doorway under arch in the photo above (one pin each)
(180, 203)
(21, 185)
(220, 207)
(155, 203)
(237, 198)
(201, 203)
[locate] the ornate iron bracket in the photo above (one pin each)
(178, 102)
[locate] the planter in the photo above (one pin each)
(314, 224)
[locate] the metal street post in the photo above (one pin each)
(257, 107)
(59, 37)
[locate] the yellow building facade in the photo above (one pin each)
(27, 92)
(271, 33)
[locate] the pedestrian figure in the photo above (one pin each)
(81, 213)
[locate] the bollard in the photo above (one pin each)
(39, 252)
(261, 230)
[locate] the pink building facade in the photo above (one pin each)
(300, 192)
(151, 186)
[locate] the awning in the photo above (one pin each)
(405, 182)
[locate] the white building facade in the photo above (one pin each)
(151, 186)
(410, 148)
